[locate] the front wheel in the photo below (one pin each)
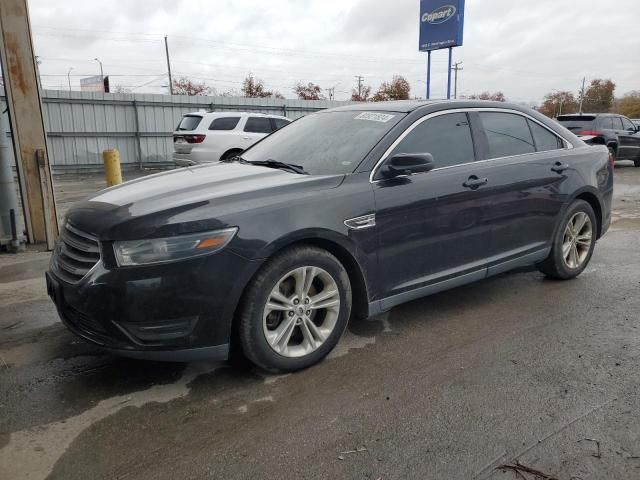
(295, 309)
(573, 244)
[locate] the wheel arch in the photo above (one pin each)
(336, 244)
(229, 150)
(592, 199)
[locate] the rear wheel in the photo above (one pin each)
(295, 310)
(573, 244)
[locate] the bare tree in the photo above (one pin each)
(361, 96)
(184, 86)
(310, 91)
(495, 96)
(599, 96)
(397, 89)
(556, 103)
(629, 105)
(254, 88)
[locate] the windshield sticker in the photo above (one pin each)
(375, 117)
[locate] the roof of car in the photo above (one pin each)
(232, 114)
(406, 106)
(585, 114)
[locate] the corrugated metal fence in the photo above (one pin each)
(80, 125)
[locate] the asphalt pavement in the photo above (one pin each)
(486, 381)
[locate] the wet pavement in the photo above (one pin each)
(511, 369)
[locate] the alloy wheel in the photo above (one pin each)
(301, 311)
(578, 235)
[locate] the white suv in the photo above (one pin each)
(212, 136)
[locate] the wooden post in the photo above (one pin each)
(27, 122)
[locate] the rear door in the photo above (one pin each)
(526, 166)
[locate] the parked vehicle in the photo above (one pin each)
(636, 122)
(346, 212)
(617, 132)
(209, 137)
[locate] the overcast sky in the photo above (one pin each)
(523, 48)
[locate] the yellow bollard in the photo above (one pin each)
(112, 172)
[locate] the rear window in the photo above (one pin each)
(576, 122)
(225, 123)
(189, 122)
(258, 125)
(544, 139)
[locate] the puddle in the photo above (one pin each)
(40, 447)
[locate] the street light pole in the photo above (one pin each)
(69, 77)
(101, 73)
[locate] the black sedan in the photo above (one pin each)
(347, 212)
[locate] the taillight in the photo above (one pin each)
(593, 133)
(195, 138)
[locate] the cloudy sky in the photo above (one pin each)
(523, 48)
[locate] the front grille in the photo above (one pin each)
(76, 253)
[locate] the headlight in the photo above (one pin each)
(171, 249)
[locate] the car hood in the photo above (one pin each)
(192, 199)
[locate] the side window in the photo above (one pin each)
(627, 124)
(258, 125)
(224, 123)
(446, 137)
(617, 123)
(544, 139)
(606, 123)
(280, 122)
(507, 134)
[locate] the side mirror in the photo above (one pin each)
(408, 163)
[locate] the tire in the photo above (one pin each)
(294, 334)
(561, 263)
(612, 152)
(636, 162)
(230, 154)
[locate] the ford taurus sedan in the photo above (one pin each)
(344, 213)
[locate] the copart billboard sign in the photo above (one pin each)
(441, 24)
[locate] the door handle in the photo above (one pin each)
(560, 167)
(246, 138)
(474, 182)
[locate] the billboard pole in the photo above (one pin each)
(449, 74)
(428, 74)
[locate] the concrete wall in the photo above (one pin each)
(80, 125)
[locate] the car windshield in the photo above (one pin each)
(326, 143)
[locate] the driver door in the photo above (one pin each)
(431, 229)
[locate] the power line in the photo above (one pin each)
(249, 47)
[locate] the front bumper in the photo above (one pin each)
(178, 311)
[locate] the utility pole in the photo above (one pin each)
(331, 92)
(360, 79)
(27, 123)
(584, 79)
(456, 67)
(166, 49)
